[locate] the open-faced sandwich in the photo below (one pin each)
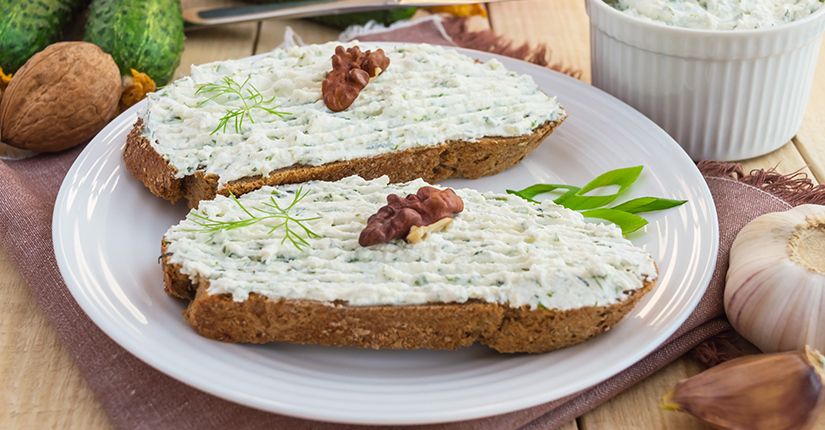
(324, 112)
(379, 265)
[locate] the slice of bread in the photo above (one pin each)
(248, 286)
(235, 126)
(453, 159)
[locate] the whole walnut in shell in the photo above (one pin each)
(60, 98)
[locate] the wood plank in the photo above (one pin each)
(638, 407)
(564, 26)
(474, 23)
(572, 425)
(59, 398)
(479, 23)
(810, 139)
(786, 160)
(561, 24)
(272, 30)
(272, 33)
(216, 43)
(42, 386)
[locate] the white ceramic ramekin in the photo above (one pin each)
(723, 95)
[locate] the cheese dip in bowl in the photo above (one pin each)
(720, 14)
(728, 79)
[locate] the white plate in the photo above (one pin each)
(108, 227)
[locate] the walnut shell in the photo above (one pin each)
(60, 98)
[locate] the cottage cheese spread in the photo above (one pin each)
(427, 96)
(720, 14)
(500, 249)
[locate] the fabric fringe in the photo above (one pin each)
(795, 188)
(456, 32)
(291, 38)
(717, 349)
(489, 41)
(355, 31)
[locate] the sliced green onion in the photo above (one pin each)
(648, 204)
(626, 221)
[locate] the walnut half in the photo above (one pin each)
(395, 220)
(351, 71)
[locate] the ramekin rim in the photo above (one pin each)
(706, 32)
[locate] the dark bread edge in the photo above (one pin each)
(437, 326)
(149, 166)
(452, 159)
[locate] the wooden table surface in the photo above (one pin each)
(42, 388)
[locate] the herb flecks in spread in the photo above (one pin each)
(230, 88)
(351, 71)
(499, 249)
(273, 212)
(396, 219)
(623, 215)
(430, 95)
(720, 14)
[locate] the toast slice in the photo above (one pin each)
(433, 114)
(514, 275)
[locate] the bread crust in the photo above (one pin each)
(452, 159)
(436, 326)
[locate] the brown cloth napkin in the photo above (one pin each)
(137, 396)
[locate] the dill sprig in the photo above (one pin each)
(275, 211)
(254, 100)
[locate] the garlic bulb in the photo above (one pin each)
(758, 392)
(775, 290)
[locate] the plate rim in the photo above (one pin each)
(467, 413)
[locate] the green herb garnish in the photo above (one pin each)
(623, 215)
(274, 212)
(627, 221)
(648, 204)
(253, 101)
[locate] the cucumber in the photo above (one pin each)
(145, 35)
(342, 21)
(26, 27)
(385, 17)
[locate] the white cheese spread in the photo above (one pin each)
(427, 96)
(500, 249)
(720, 14)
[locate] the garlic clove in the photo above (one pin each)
(774, 291)
(775, 317)
(782, 391)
